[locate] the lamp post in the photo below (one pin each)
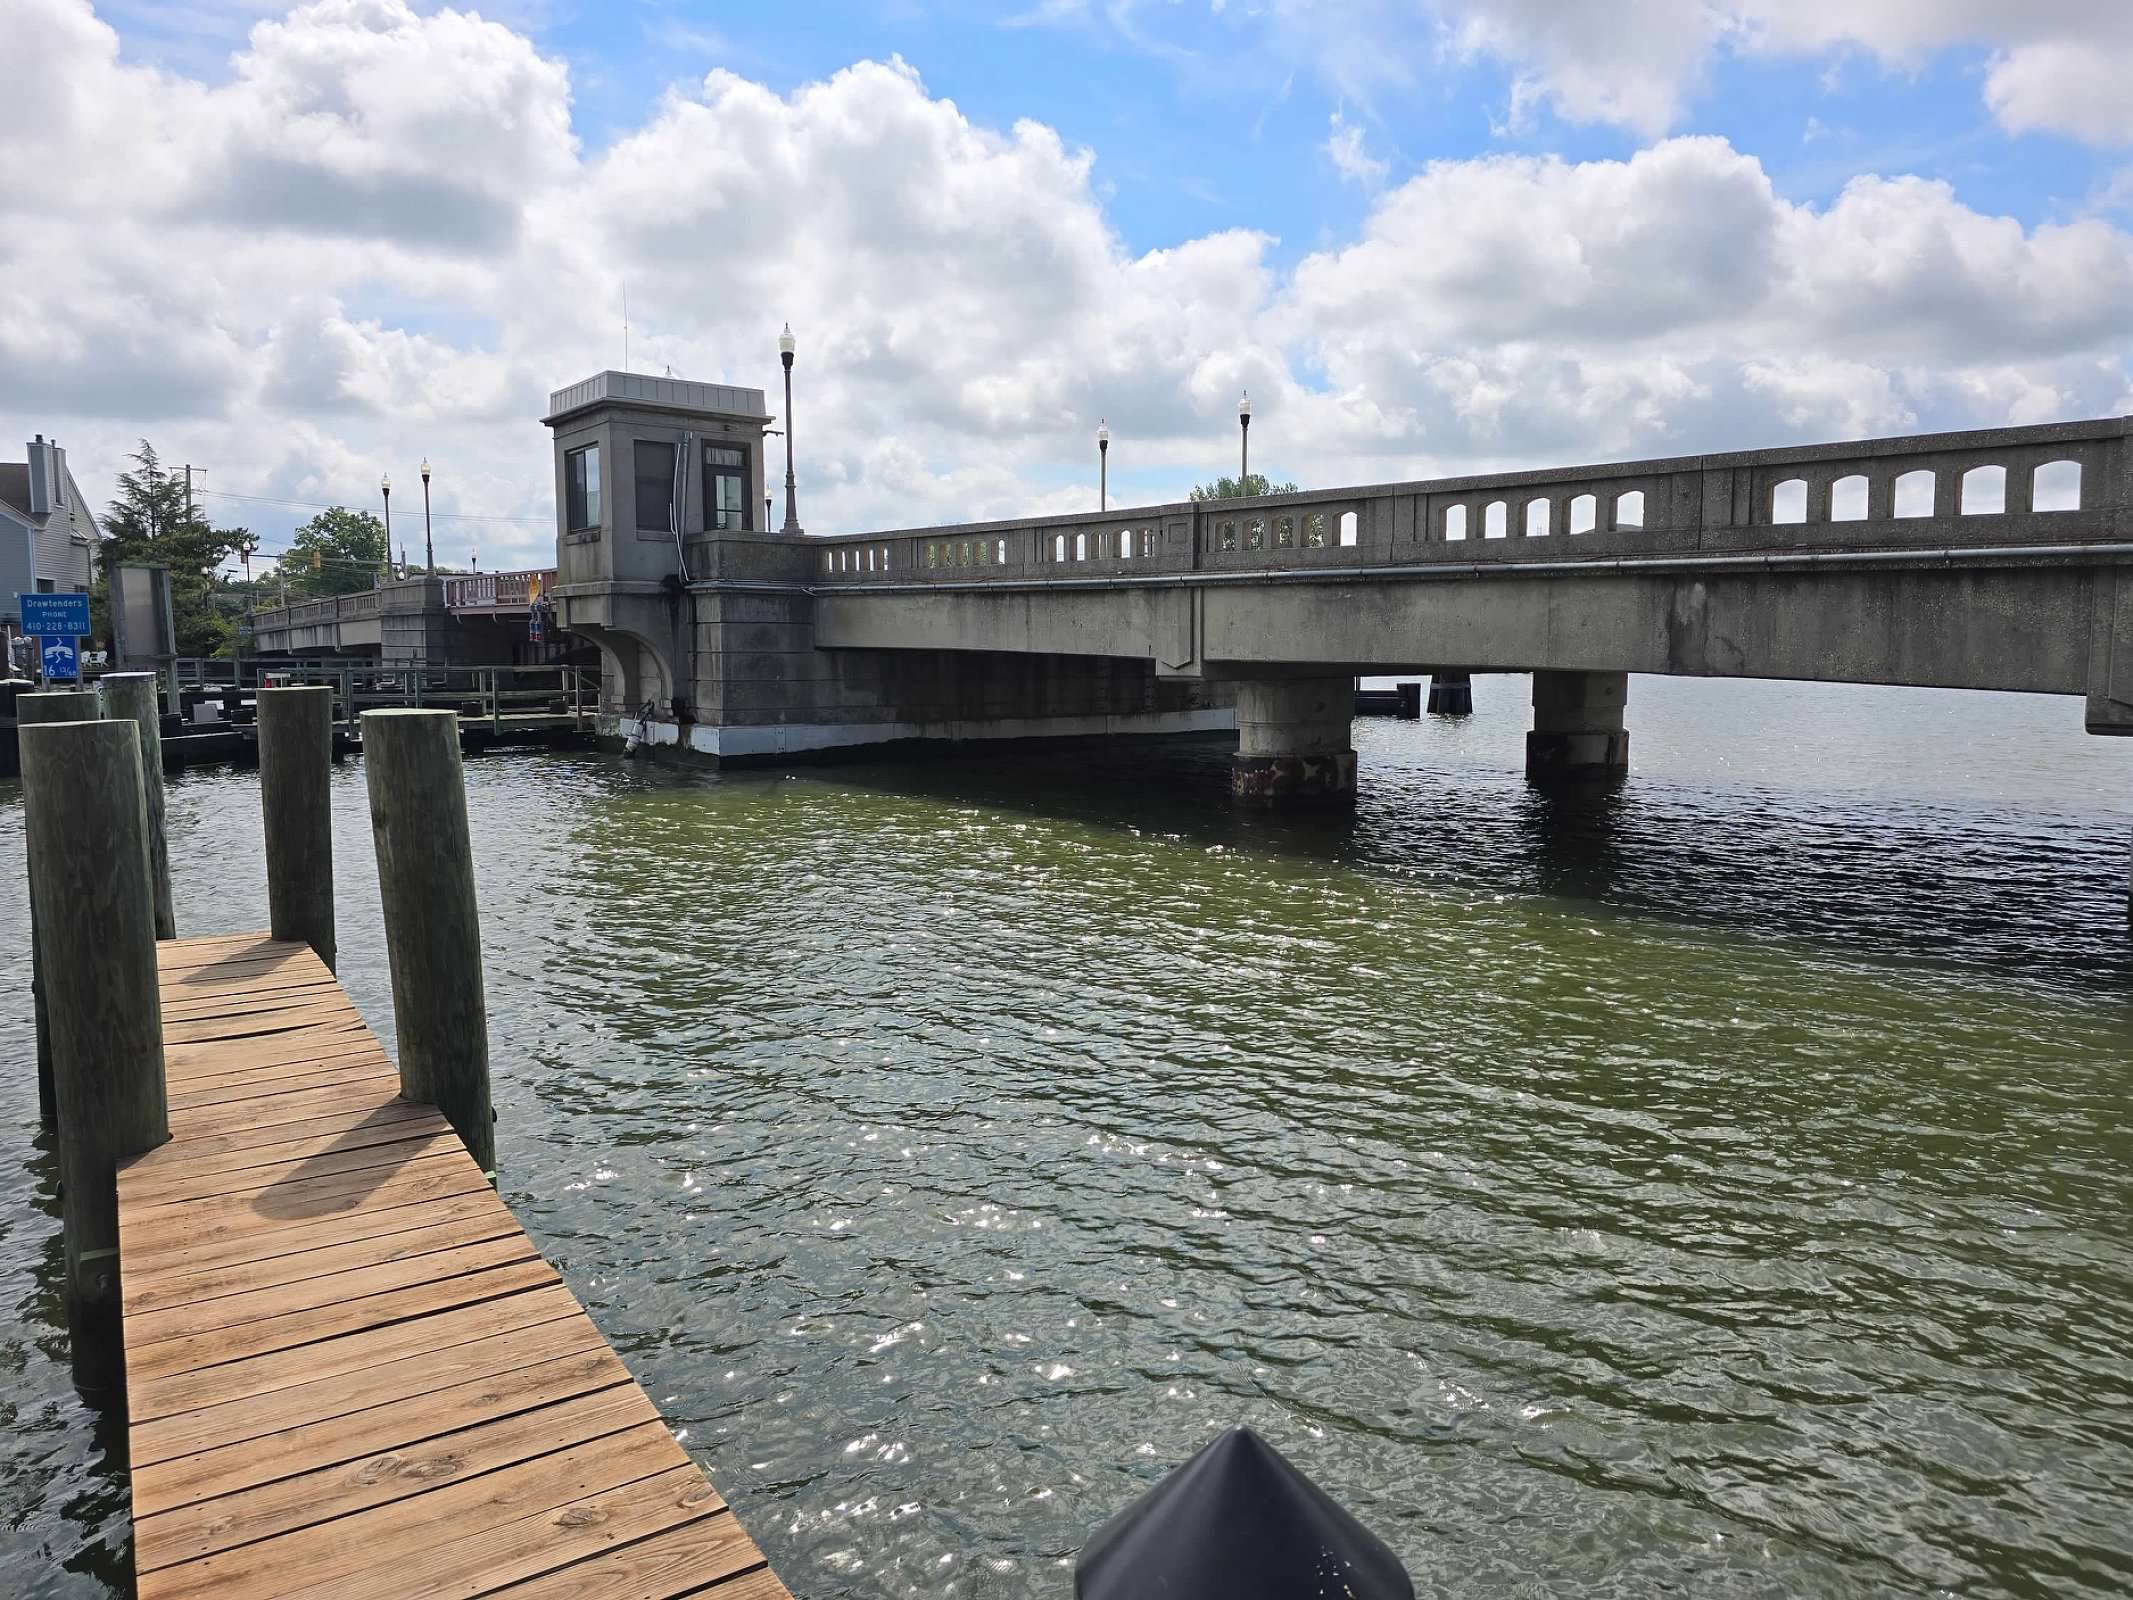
(792, 496)
(1103, 466)
(385, 487)
(1244, 434)
(429, 548)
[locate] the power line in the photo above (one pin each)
(317, 505)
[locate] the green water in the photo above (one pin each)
(1718, 1188)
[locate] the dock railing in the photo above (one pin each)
(497, 695)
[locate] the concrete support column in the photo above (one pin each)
(1451, 694)
(1577, 725)
(1293, 740)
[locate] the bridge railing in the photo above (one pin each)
(497, 591)
(349, 607)
(2060, 483)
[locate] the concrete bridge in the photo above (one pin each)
(460, 620)
(1987, 560)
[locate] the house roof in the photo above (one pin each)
(15, 485)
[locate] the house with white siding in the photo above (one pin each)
(47, 532)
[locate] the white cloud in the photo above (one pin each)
(2056, 65)
(326, 266)
(2066, 86)
(1521, 304)
(1344, 148)
(1631, 62)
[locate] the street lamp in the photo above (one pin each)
(429, 549)
(1244, 433)
(1103, 466)
(792, 497)
(385, 487)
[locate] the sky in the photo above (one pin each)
(304, 248)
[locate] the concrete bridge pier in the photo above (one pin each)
(1577, 726)
(1293, 740)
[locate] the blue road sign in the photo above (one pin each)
(55, 616)
(62, 663)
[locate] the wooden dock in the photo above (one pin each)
(348, 1370)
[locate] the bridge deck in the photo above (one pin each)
(348, 1370)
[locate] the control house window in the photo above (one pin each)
(581, 477)
(655, 484)
(725, 487)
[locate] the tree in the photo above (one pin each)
(1253, 483)
(150, 521)
(336, 552)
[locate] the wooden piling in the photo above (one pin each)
(295, 776)
(418, 818)
(133, 696)
(95, 908)
(58, 705)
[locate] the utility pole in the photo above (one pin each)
(190, 469)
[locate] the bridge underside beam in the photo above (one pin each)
(2035, 627)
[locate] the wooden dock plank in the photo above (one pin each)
(239, 1222)
(379, 1144)
(268, 1303)
(399, 1216)
(679, 1561)
(250, 1146)
(286, 1505)
(150, 1396)
(434, 1228)
(276, 1190)
(190, 1433)
(387, 1538)
(391, 1429)
(349, 1371)
(220, 1347)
